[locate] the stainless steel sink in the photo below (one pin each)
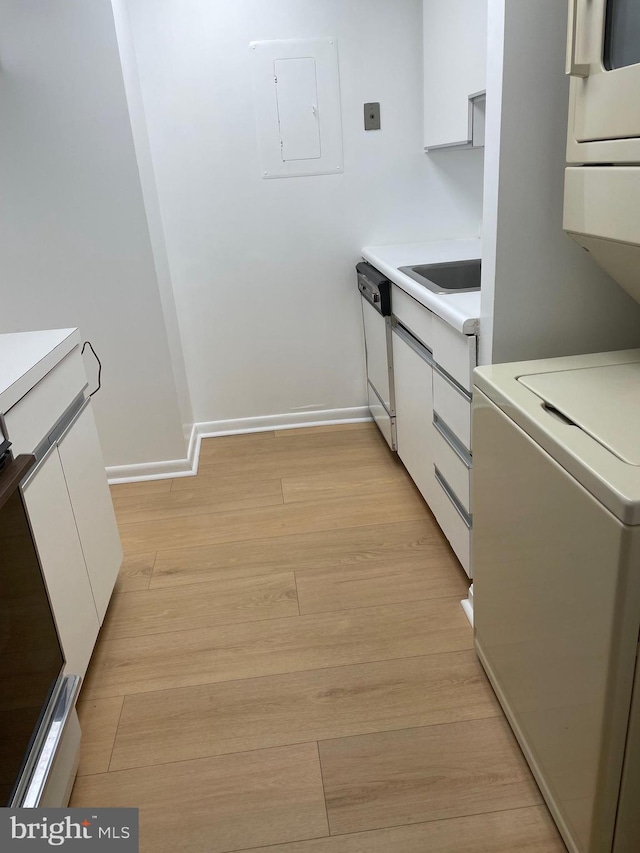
(455, 277)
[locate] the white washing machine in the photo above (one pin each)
(556, 495)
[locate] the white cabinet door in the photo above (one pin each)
(455, 58)
(62, 560)
(86, 481)
(414, 414)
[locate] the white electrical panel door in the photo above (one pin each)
(297, 94)
(296, 88)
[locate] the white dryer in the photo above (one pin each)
(556, 495)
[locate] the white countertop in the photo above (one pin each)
(26, 357)
(460, 310)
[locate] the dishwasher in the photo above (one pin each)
(375, 290)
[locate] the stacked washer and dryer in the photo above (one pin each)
(556, 488)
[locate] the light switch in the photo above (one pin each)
(372, 116)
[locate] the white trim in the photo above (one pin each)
(169, 469)
(210, 429)
(289, 420)
(467, 606)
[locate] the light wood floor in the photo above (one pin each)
(285, 665)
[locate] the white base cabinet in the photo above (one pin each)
(62, 560)
(68, 501)
(432, 367)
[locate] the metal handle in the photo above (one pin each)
(452, 440)
(573, 68)
(379, 398)
(417, 346)
(59, 431)
(372, 296)
(44, 750)
(453, 382)
(454, 499)
(72, 417)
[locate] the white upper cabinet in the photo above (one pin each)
(455, 59)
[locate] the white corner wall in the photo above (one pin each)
(154, 219)
(74, 239)
(542, 296)
(263, 269)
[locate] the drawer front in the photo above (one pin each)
(449, 460)
(453, 521)
(417, 318)
(454, 352)
(32, 417)
(453, 407)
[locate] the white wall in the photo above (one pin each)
(74, 239)
(263, 269)
(152, 208)
(542, 295)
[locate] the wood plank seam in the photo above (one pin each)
(324, 790)
(293, 672)
(295, 580)
(292, 742)
(115, 737)
(431, 820)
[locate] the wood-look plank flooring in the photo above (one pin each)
(285, 666)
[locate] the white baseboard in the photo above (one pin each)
(210, 429)
(467, 606)
(169, 469)
(290, 420)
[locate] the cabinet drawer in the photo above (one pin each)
(453, 351)
(452, 461)
(453, 406)
(453, 520)
(417, 318)
(32, 417)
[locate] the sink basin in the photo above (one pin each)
(455, 277)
